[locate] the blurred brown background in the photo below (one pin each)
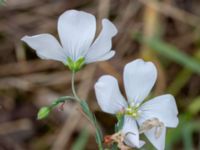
(172, 41)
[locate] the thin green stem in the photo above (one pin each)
(73, 87)
(61, 100)
(87, 111)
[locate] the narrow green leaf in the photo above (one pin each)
(86, 109)
(99, 137)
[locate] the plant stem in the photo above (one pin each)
(62, 100)
(87, 112)
(73, 87)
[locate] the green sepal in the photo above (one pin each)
(75, 65)
(120, 122)
(70, 63)
(43, 113)
(79, 63)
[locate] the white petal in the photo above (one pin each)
(141, 143)
(108, 95)
(76, 30)
(107, 56)
(139, 78)
(102, 45)
(162, 107)
(158, 143)
(46, 46)
(130, 130)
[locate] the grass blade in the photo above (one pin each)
(171, 52)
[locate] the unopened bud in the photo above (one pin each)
(43, 113)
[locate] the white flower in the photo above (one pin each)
(152, 116)
(76, 31)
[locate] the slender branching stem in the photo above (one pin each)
(87, 112)
(73, 87)
(62, 100)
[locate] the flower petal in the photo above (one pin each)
(46, 47)
(102, 45)
(130, 130)
(162, 107)
(107, 56)
(158, 143)
(139, 78)
(108, 95)
(76, 30)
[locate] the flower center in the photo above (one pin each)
(132, 110)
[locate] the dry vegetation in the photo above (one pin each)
(27, 83)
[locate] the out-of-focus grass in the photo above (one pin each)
(171, 52)
(187, 126)
(194, 107)
(2, 2)
(81, 141)
(182, 78)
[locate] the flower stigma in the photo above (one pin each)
(132, 110)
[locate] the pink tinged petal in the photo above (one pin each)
(46, 47)
(108, 95)
(100, 49)
(158, 142)
(139, 78)
(76, 30)
(162, 107)
(130, 130)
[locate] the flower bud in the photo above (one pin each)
(43, 113)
